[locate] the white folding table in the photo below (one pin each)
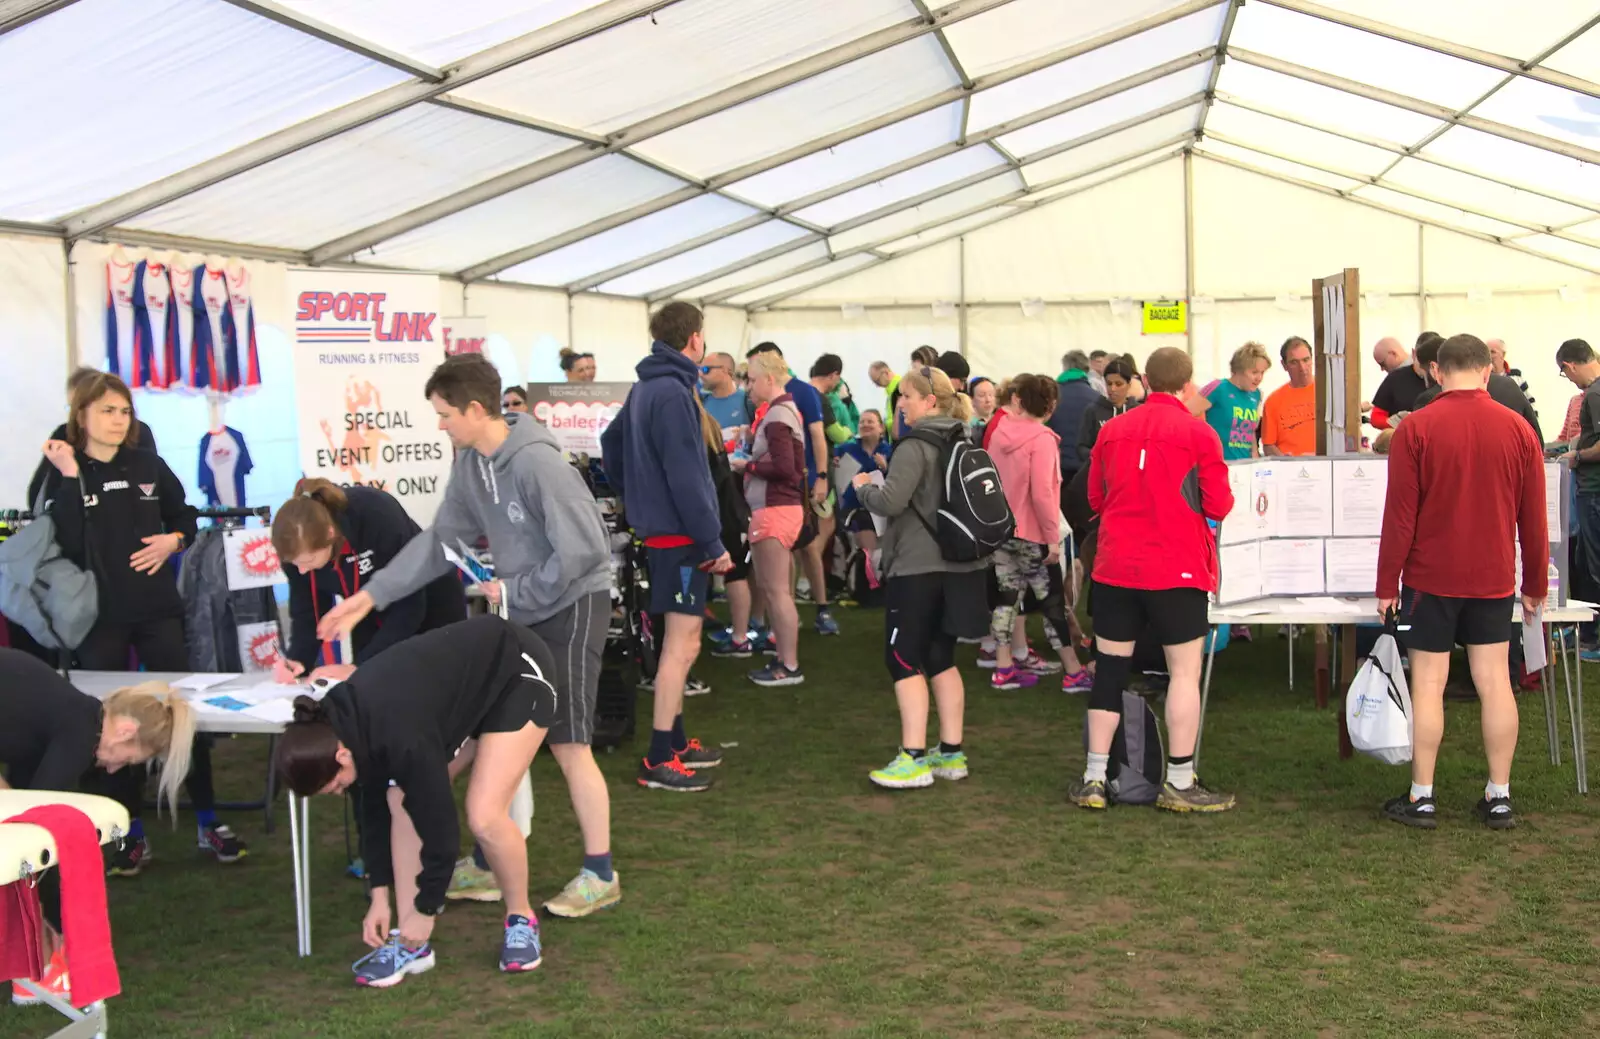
(1365, 611)
(101, 684)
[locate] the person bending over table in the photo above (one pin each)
(120, 513)
(409, 720)
(53, 737)
(1466, 481)
(1155, 476)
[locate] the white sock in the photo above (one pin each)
(1181, 776)
(1095, 768)
(1418, 791)
(1494, 790)
(988, 645)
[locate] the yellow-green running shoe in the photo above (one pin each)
(903, 773)
(947, 765)
(469, 883)
(586, 893)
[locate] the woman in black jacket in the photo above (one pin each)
(120, 513)
(1119, 378)
(406, 722)
(330, 539)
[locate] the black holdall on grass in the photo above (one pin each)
(1138, 760)
(974, 518)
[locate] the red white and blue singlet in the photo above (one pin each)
(223, 358)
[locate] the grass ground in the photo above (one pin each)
(794, 900)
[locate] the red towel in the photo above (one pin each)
(21, 933)
(85, 924)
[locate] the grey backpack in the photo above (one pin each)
(44, 591)
(1138, 759)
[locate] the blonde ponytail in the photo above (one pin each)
(166, 730)
(932, 382)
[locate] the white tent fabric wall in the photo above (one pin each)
(34, 314)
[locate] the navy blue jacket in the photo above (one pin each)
(1076, 395)
(655, 455)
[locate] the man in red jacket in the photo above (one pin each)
(1155, 476)
(1466, 480)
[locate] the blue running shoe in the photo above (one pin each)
(521, 949)
(390, 963)
(826, 625)
(764, 643)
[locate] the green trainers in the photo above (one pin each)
(469, 883)
(903, 773)
(947, 766)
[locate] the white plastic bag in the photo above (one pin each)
(1377, 709)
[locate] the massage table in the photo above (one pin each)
(26, 849)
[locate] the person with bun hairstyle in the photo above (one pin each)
(53, 737)
(120, 513)
(929, 601)
(330, 540)
(577, 367)
(407, 722)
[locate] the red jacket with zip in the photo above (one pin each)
(1155, 476)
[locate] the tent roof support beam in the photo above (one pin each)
(620, 140)
(1322, 189)
(944, 45)
(511, 259)
(293, 19)
(1530, 69)
(19, 14)
(375, 106)
(1222, 56)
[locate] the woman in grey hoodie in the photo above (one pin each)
(929, 601)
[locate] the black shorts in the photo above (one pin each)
(924, 614)
(531, 696)
(1437, 623)
(1173, 616)
(677, 584)
(739, 552)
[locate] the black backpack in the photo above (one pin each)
(1138, 761)
(974, 518)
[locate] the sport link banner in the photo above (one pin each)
(364, 346)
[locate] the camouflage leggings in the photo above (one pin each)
(1019, 568)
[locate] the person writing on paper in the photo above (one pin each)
(1155, 477)
(331, 539)
(1405, 377)
(510, 483)
(1289, 416)
(477, 692)
(1466, 484)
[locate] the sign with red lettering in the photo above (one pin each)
(365, 344)
(464, 335)
(252, 562)
(576, 413)
(258, 646)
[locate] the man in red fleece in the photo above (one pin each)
(1155, 476)
(1466, 480)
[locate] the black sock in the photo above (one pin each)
(680, 742)
(918, 753)
(660, 747)
(1180, 761)
(949, 748)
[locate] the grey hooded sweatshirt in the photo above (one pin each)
(543, 525)
(913, 489)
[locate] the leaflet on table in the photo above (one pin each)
(1360, 486)
(1352, 565)
(280, 712)
(1241, 573)
(201, 681)
(1554, 494)
(1305, 498)
(1292, 566)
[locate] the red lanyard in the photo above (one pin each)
(316, 611)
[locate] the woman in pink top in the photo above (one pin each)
(1027, 454)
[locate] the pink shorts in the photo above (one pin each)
(782, 522)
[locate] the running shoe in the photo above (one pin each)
(671, 775)
(356, 869)
(693, 686)
(389, 963)
(732, 650)
(54, 983)
(964, 640)
(1035, 664)
(1195, 799)
(470, 884)
(826, 625)
(1080, 681)
(765, 644)
(1012, 678)
(698, 755)
(950, 765)
(584, 894)
(520, 951)
(775, 674)
(1589, 654)
(1422, 813)
(1496, 813)
(130, 859)
(221, 841)
(1242, 632)
(903, 773)
(1091, 793)
(986, 658)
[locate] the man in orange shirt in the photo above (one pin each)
(1289, 416)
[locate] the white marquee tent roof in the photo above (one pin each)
(743, 151)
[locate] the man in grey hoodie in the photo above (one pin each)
(511, 484)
